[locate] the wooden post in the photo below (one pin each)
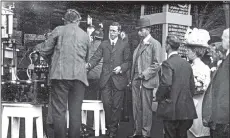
(226, 11)
(142, 10)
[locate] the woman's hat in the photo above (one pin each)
(143, 22)
(197, 38)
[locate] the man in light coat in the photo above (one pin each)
(144, 79)
(68, 46)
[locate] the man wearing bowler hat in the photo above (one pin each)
(144, 79)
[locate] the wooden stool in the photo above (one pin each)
(99, 114)
(17, 111)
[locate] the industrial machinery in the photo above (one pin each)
(33, 86)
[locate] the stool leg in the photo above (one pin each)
(15, 124)
(84, 116)
(102, 116)
(5, 125)
(67, 118)
(97, 122)
(39, 125)
(29, 127)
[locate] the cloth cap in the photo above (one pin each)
(72, 15)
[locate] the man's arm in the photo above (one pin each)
(46, 48)
(192, 84)
(153, 69)
(165, 82)
(97, 56)
(127, 59)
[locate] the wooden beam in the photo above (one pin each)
(226, 11)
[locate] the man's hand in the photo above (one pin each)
(117, 70)
(141, 76)
(87, 66)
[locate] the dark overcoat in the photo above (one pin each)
(216, 99)
(176, 90)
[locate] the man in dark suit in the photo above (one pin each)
(215, 112)
(113, 80)
(144, 79)
(175, 92)
(68, 46)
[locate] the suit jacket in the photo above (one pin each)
(68, 46)
(216, 99)
(96, 71)
(147, 62)
(176, 90)
(113, 56)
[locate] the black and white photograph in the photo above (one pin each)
(114, 69)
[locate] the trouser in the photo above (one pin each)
(176, 128)
(73, 92)
(142, 108)
(221, 131)
(112, 99)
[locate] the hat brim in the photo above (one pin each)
(196, 45)
(142, 27)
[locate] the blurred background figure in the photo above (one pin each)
(215, 111)
(90, 30)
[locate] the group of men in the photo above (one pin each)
(69, 46)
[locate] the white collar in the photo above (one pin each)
(146, 39)
(113, 41)
(197, 60)
(172, 53)
(227, 52)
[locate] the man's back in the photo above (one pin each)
(181, 82)
(69, 48)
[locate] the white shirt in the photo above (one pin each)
(172, 53)
(227, 52)
(114, 41)
(146, 39)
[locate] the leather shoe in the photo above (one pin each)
(145, 137)
(107, 132)
(112, 135)
(134, 136)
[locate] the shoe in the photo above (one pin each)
(107, 133)
(112, 135)
(145, 137)
(134, 136)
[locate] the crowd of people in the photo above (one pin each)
(188, 96)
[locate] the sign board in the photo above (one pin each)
(177, 30)
(179, 8)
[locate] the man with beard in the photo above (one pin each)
(144, 79)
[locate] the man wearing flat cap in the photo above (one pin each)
(68, 46)
(175, 93)
(144, 79)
